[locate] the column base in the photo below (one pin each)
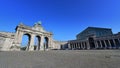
(31, 48)
(15, 47)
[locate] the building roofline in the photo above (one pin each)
(94, 28)
(98, 28)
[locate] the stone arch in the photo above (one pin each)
(91, 42)
(37, 41)
(35, 31)
(46, 42)
(27, 41)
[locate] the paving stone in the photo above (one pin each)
(61, 59)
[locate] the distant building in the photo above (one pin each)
(95, 38)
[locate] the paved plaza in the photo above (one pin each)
(61, 59)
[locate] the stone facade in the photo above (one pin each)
(90, 38)
(95, 38)
(6, 39)
(60, 44)
(94, 31)
(12, 41)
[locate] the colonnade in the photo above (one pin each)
(40, 44)
(97, 44)
(80, 45)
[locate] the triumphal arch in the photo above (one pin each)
(44, 37)
(10, 41)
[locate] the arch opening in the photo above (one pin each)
(46, 40)
(37, 43)
(91, 42)
(25, 42)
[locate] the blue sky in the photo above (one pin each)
(65, 18)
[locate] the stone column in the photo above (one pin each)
(119, 43)
(96, 44)
(31, 46)
(118, 40)
(49, 42)
(18, 39)
(69, 46)
(88, 45)
(81, 45)
(109, 44)
(75, 45)
(38, 45)
(78, 45)
(42, 47)
(17, 36)
(114, 43)
(100, 44)
(85, 45)
(105, 44)
(72, 46)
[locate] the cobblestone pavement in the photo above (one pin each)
(61, 59)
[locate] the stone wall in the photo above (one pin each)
(2, 39)
(12, 41)
(60, 44)
(6, 41)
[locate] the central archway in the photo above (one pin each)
(91, 42)
(37, 43)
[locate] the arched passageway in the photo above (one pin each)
(37, 43)
(25, 42)
(37, 37)
(91, 42)
(46, 40)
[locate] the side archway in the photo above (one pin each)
(91, 42)
(25, 42)
(46, 41)
(37, 43)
